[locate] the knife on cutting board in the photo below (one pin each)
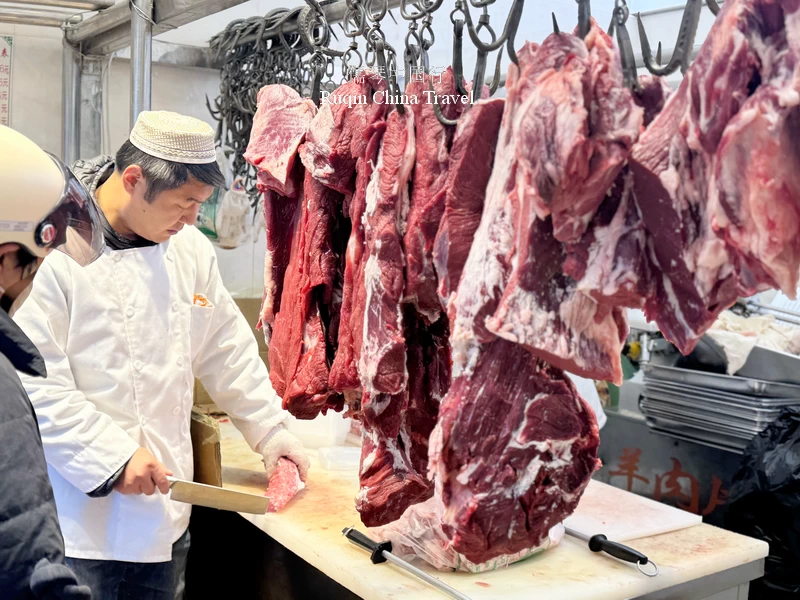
(211, 496)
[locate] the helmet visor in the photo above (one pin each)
(73, 226)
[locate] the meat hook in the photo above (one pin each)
(713, 7)
(458, 43)
(557, 30)
(437, 109)
(584, 17)
(629, 71)
(682, 54)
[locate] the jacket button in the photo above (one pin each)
(129, 311)
(174, 307)
(180, 361)
(116, 257)
(176, 411)
(138, 365)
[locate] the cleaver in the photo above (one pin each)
(216, 497)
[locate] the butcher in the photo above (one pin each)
(123, 341)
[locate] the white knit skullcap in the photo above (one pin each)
(174, 137)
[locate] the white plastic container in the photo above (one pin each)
(340, 458)
(327, 430)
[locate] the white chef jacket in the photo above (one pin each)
(123, 340)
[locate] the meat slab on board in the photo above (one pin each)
(468, 172)
(514, 448)
(429, 188)
(283, 485)
(279, 126)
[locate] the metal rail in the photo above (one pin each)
(110, 30)
(141, 52)
(76, 4)
(71, 102)
(21, 16)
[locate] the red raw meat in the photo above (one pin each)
(297, 352)
(610, 263)
(755, 189)
(382, 362)
(344, 370)
(691, 142)
(280, 214)
(514, 448)
(336, 137)
(543, 310)
(428, 189)
(279, 126)
(469, 169)
(283, 485)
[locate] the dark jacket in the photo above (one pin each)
(30, 537)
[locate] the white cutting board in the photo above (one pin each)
(622, 516)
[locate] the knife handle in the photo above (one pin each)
(600, 543)
(376, 549)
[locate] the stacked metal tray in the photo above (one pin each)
(715, 410)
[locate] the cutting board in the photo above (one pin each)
(623, 516)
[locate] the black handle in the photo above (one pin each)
(600, 543)
(376, 549)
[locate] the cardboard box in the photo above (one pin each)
(251, 308)
(206, 447)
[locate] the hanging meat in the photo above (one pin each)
(441, 279)
(720, 209)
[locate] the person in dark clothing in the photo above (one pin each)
(42, 208)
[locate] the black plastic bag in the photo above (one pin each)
(764, 503)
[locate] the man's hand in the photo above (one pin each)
(143, 474)
(282, 443)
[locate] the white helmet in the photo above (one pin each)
(43, 206)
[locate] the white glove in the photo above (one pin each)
(278, 443)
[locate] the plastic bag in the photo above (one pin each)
(418, 533)
(225, 218)
(233, 217)
(764, 503)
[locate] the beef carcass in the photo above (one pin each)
(674, 162)
(297, 352)
(755, 188)
(651, 95)
(610, 262)
(336, 137)
(576, 124)
(468, 172)
(428, 188)
(394, 456)
(344, 370)
(511, 287)
(280, 216)
(514, 448)
(545, 311)
(382, 365)
(279, 126)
